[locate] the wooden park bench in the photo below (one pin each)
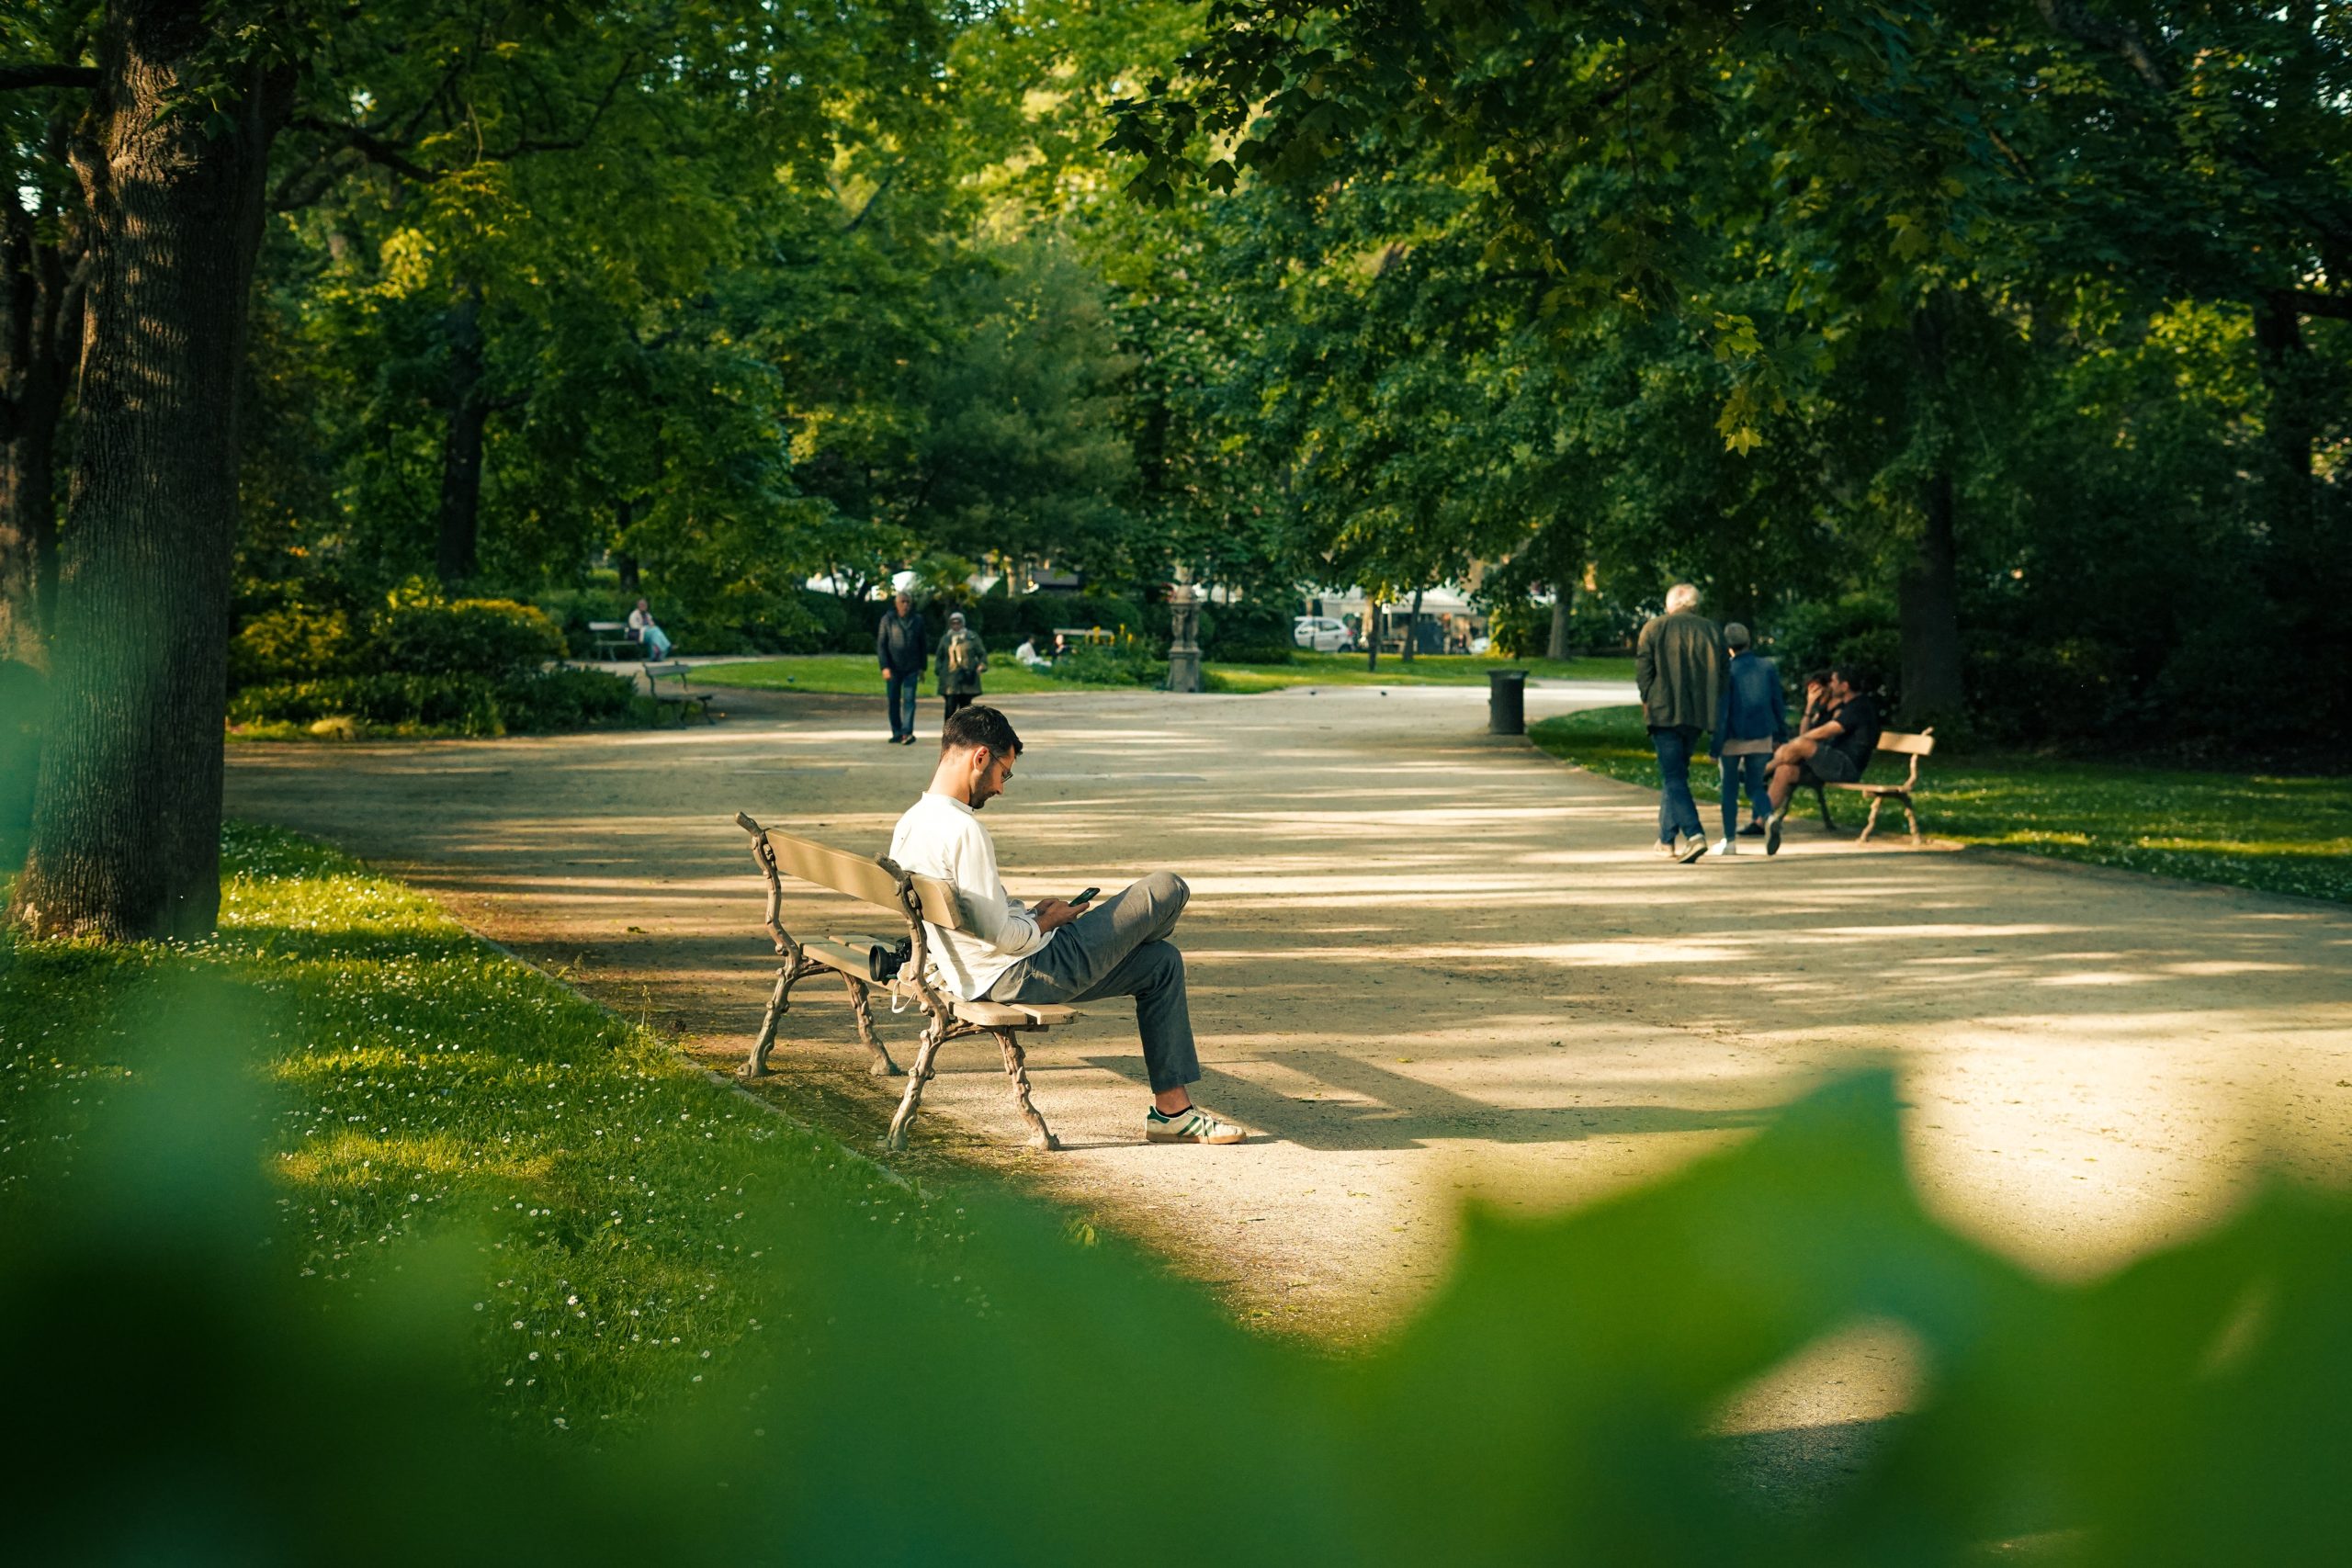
(877, 881)
(657, 673)
(1902, 744)
(614, 640)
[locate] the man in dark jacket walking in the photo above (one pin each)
(902, 648)
(1750, 723)
(1678, 668)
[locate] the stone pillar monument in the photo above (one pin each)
(1184, 635)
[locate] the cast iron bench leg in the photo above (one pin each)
(927, 1053)
(1016, 1067)
(881, 1066)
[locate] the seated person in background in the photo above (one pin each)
(1055, 951)
(1816, 701)
(642, 627)
(1061, 645)
(1027, 654)
(1834, 750)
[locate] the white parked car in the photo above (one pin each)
(1322, 634)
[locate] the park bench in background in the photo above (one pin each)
(877, 881)
(613, 639)
(657, 673)
(1075, 635)
(1902, 744)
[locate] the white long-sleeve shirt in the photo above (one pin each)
(940, 836)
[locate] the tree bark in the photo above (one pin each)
(1928, 591)
(125, 829)
(1557, 647)
(1412, 627)
(462, 442)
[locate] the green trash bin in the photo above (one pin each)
(1505, 702)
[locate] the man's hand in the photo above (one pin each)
(1054, 913)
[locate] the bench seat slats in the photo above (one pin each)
(849, 956)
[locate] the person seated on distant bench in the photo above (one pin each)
(1834, 750)
(643, 629)
(1028, 656)
(1053, 951)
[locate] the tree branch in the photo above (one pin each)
(2078, 22)
(82, 76)
(371, 147)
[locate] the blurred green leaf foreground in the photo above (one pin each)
(343, 1237)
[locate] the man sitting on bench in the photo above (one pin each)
(1834, 750)
(1055, 951)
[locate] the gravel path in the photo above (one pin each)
(1425, 963)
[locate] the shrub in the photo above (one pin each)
(293, 642)
(1253, 632)
(1122, 663)
(530, 702)
(419, 633)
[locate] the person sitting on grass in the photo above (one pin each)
(1054, 951)
(1834, 750)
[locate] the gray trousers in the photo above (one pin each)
(1120, 948)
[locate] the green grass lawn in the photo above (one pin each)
(419, 1079)
(2277, 834)
(853, 674)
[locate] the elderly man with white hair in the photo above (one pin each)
(1678, 668)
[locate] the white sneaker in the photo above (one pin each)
(1727, 847)
(1190, 1125)
(1692, 848)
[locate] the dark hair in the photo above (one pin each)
(979, 725)
(1857, 679)
(1819, 677)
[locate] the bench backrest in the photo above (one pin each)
(654, 671)
(861, 876)
(608, 626)
(1919, 745)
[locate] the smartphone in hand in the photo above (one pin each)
(1087, 897)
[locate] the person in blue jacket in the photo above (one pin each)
(1751, 720)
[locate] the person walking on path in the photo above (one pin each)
(961, 658)
(1678, 670)
(1751, 720)
(902, 648)
(643, 627)
(1057, 950)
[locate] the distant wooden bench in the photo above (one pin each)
(1901, 744)
(614, 640)
(657, 673)
(877, 881)
(1085, 634)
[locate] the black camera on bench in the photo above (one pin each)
(884, 963)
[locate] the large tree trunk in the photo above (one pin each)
(461, 443)
(1412, 628)
(1557, 647)
(1927, 593)
(126, 830)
